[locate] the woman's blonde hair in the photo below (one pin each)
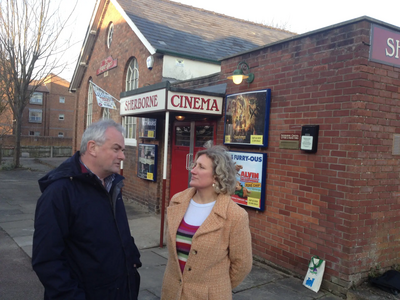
(223, 168)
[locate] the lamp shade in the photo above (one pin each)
(238, 76)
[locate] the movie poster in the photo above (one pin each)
(250, 179)
(247, 118)
(147, 162)
(147, 128)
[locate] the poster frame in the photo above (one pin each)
(240, 159)
(143, 160)
(229, 126)
(144, 131)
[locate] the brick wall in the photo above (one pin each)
(341, 203)
(125, 45)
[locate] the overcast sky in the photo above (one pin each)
(293, 15)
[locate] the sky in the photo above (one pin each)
(293, 15)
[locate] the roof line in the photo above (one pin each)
(136, 30)
(296, 37)
(172, 53)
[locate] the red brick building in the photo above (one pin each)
(50, 110)
(340, 202)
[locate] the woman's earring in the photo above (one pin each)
(213, 185)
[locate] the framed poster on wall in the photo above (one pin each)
(247, 118)
(147, 128)
(147, 162)
(250, 179)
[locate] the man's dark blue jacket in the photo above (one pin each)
(82, 246)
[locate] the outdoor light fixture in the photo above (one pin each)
(180, 118)
(238, 74)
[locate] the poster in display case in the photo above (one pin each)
(147, 162)
(250, 179)
(247, 118)
(147, 128)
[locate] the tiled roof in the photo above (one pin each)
(171, 27)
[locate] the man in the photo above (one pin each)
(82, 246)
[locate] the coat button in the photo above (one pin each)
(194, 251)
(189, 269)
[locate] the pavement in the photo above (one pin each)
(19, 192)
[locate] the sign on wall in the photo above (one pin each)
(250, 179)
(247, 118)
(385, 46)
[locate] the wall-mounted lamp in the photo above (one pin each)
(238, 75)
(180, 118)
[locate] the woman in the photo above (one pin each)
(208, 236)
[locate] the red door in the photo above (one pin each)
(186, 134)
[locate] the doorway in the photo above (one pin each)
(187, 139)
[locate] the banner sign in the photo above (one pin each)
(104, 99)
(149, 102)
(385, 46)
(247, 118)
(250, 179)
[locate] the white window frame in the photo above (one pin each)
(129, 123)
(61, 117)
(106, 113)
(61, 134)
(131, 83)
(132, 76)
(32, 110)
(89, 106)
(62, 99)
(36, 98)
(110, 35)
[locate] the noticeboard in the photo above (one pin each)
(247, 118)
(251, 179)
(147, 162)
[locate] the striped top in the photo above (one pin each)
(184, 242)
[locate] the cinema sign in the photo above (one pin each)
(385, 46)
(178, 100)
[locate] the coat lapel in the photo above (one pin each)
(176, 211)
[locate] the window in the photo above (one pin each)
(89, 106)
(132, 75)
(61, 117)
(36, 98)
(130, 127)
(35, 115)
(131, 83)
(106, 113)
(110, 34)
(61, 134)
(35, 133)
(62, 99)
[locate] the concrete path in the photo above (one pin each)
(19, 192)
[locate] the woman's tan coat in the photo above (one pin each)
(220, 256)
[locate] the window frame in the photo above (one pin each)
(61, 117)
(110, 34)
(62, 134)
(131, 83)
(34, 110)
(34, 102)
(63, 99)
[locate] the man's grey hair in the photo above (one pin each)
(97, 132)
(223, 168)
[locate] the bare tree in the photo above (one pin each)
(31, 48)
